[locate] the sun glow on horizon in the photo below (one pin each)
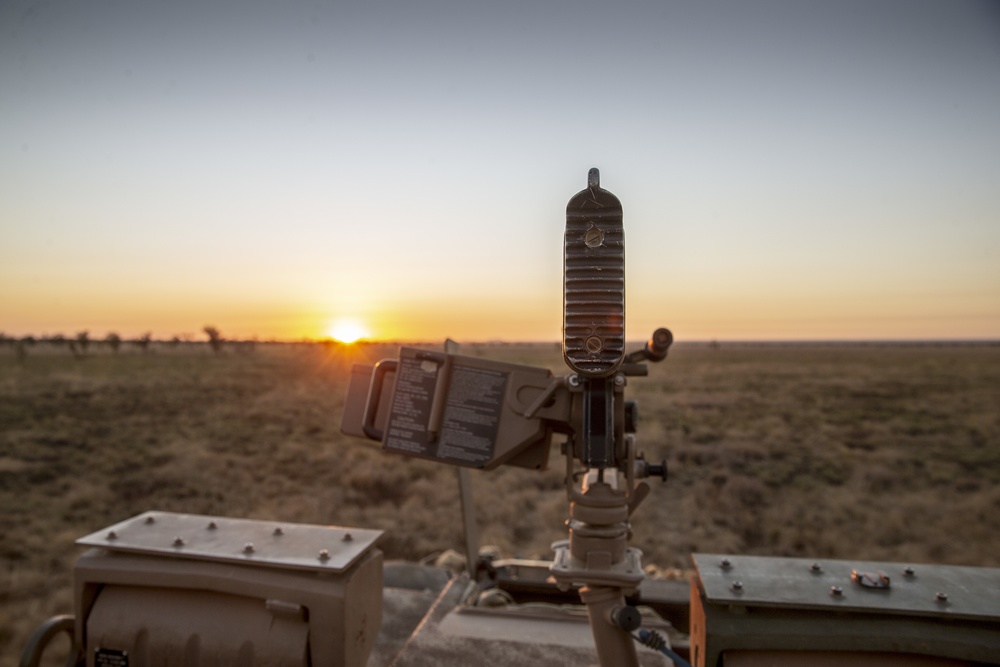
(347, 331)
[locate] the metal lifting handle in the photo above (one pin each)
(43, 636)
(374, 394)
(386, 366)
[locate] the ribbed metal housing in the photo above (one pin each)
(594, 284)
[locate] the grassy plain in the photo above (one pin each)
(828, 451)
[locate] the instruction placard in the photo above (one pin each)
(471, 416)
(406, 431)
(471, 411)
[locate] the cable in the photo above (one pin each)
(653, 640)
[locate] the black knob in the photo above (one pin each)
(658, 344)
(657, 470)
(627, 618)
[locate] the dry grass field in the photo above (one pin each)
(868, 452)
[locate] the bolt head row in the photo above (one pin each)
(248, 548)
(815, 568)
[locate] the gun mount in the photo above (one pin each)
(478, 413)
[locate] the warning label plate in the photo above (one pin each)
(470, 420)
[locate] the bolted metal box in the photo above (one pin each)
(166, 589)
(755, 610)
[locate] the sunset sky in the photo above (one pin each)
(788, 169)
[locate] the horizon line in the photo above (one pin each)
(327, 340)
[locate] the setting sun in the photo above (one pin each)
(347, 331)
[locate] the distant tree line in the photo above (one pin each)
(80, 345)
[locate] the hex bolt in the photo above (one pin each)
(836, 591)
(816, 568)
(112, 535)
(248, 548)
(941, 597)
(738, 586)
(150, 519)
(347, 537)
(725, 564)
(178, 541)
(279, 531)
(324, 554)
(212, 525)
(909, 571)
